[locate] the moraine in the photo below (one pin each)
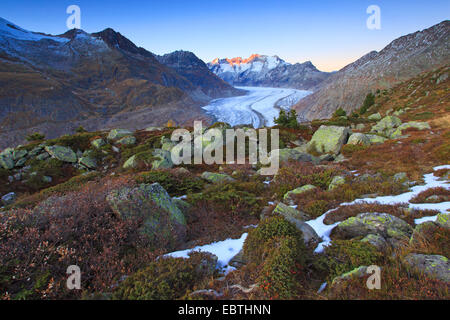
(258, 107)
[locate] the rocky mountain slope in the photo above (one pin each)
(351, 192)
(265, 71)
(402, 59)
(54, 81)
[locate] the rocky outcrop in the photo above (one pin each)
(402, 59)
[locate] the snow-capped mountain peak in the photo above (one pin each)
(10, 30)
(267, 71)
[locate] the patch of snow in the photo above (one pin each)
(431, 181)
(224, 250)
(10, 30)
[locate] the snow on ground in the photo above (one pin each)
(8, 29)
(224, 250)
(258, 107)
(431, 181)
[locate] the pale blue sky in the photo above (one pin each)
(329, 33)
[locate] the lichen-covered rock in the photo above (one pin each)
(383, 224)
(359, 139)
(238, 260)
(329, 139)
(131, 163)
(375, 116)
(293, 154)
(287, 197)
(182, 205)
(151, 129)
(443, 219)
(163, 221)
(126, 141)
(163, 159)
(336, 182)
(64, 154)
(290, 213)
(387, 125)
(433, 266)
(116, 134)
(297, 218)
(19, 154)
(375, 139)
(377, 241)
(412, 124)
(98, 143)
(216, 177)
(359, 272)
(88, 162)
(7, 159)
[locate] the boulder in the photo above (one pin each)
(216, 177)
(19, 154)
(163, 221)
(375, 116)
(126, 141)
(290, 213)
(131, 163)
(7, 159)
(293, 154)
(43, 156)
(336, 182)
(9, 198)
(64, 154)
(238, 260)
(329, 139)
(387, 125)
(98, 143)
(359, 139)
(300, 190)
(383, 224)
(433, 266)
(116, 134)
(88, 162)
(412, 124)
(375, 139)
(377, 241)
(339, 281)
(163, 159)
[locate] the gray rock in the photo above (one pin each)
(116, 134)
(336, 182)
(329, 139)
(433, 266)
(64, 154)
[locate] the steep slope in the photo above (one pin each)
(266, 71)
(402, 59)
(79, 76)
(188, 65)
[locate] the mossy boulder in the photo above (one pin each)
(88, 161)
(293, 154)
(126, 141)
(377, 241)
(375, 116)
(163, 222)
(329, 139)
(98, 143)
(7, 159)
(163, 159)
(216, 177)
(336, 182)
(131, 163)
(375, 139)
(116, 134)
(297, 218)
(433, 266)
(288, 196)
(64, 154)
(359, 139)
(383, 224)
(412, 124)
(387, 125)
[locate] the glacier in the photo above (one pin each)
(258, 107)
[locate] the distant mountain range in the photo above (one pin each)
(52, 83)
(401, 60)
(267, 71)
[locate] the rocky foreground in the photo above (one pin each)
(353, 191)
